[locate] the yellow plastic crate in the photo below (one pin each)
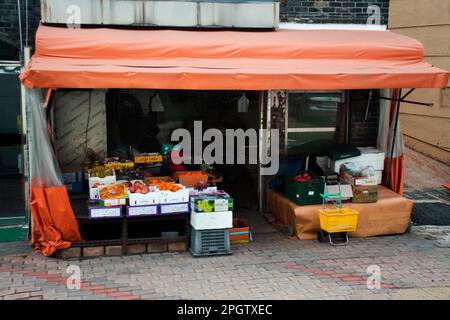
(338, 220)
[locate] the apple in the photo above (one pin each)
(145, 190)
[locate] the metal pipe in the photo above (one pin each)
(394, 135)
(19, 13)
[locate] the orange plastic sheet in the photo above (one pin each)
(229, 60)
(54, 225)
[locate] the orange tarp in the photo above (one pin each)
(54, 223)
(242, 60)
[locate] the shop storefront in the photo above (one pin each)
(122, 93)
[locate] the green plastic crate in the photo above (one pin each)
(304, 192)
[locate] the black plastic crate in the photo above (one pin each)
(210, 242)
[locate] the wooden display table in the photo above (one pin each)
(389, 215)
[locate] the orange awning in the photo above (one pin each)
(242, 60)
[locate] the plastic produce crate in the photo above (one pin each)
(210, 242)
(338, 220)
(304, 192)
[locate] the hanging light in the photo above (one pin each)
(156, 104)
(243, 103)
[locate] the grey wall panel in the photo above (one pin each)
(71, 121)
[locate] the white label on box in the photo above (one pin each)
(114, 202)
(310, 193)
(142, 211)
(178, 207)
(179, 196)
(106, 212)
(93, 194)
(221, 204)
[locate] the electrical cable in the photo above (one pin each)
(88, 120)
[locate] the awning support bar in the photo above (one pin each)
(402, 99)
(408, 93)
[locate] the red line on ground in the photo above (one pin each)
(113, 293)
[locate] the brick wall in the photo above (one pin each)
(9, 21)
(362, 132)
(330, 11)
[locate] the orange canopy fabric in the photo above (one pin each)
(228, 60)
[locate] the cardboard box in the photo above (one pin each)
(191, 178)
(174, 208)
(365, 194)
(139, 211)
(358, 181)
(143, 158)
(240, 233)
(211, 220)
(212, 202)
(207, 190)
(73, 181)
(97, 212)
(179, 196)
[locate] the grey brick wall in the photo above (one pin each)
(9, 21)
(330, 11)
(362, 132)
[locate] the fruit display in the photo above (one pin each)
(158, 180)
(138, 187)
(303, 177)
(117, 165)
(113, 191)
(100, 172)
(191, 178)
(217, 202)
(168, 186)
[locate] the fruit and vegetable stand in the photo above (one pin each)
(275, 60)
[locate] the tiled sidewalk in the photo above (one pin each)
(272, 267)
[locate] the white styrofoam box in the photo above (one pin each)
(211, 220)
(138, 199)
(94, 192)
(103, 181)
(179, 196)
(369, 157)
(173, 207)
(136, 211)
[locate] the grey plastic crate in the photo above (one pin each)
(210, 242)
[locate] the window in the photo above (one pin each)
(313, 121)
